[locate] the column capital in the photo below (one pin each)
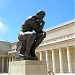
(60, 48)
(47, 50)
(67, 47)
(53, 49)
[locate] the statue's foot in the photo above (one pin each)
(35, 57)
(28, 57)
(20, 57)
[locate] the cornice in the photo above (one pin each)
(5, 42)
(60, 25)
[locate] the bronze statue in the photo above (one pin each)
(30, 36)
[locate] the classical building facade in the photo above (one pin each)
(57, 49)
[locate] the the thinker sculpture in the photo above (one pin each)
(30, 36)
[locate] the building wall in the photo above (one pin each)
(13, 45)
(0, 65)
(5, 46)
(60, 30)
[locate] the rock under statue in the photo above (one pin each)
(30, 36)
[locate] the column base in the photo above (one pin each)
(28, 67)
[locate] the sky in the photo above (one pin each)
(14, 12)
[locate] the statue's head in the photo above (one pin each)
(40, 14)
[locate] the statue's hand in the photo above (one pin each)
(24, 33)
(42, 22)
(44, 33)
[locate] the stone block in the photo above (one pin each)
(28, 67)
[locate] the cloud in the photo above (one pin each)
(3, 28)
(4, 31)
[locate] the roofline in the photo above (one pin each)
(14, 42)
(6, 42)
(60, 25)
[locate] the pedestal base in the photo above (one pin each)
(28, 67)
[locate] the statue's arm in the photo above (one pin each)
(41, 25)
(36, 25)
(33, 25)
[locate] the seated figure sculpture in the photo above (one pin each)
(30, 36)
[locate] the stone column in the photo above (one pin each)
(2, 64)
(47, 59)
(69, 60)
(7, 64)
(41, 55)
(10, 59)
(61, 60)
(53, 61)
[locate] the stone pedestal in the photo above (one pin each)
(28, 67)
